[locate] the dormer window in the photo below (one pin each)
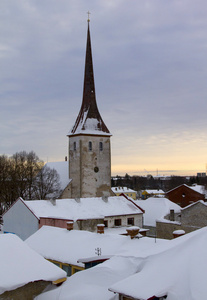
(101, 146)
(90, 146)
(74, 146)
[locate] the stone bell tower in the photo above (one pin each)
(89, 142)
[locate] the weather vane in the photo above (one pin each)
(88, 16)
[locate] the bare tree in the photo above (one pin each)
(46, 184)
(23, 175)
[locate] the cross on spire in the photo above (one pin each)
(88, 16)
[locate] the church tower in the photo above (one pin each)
(89, 142)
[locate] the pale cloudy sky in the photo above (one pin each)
(150, 66)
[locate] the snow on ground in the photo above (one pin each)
(156, 208)
(21, 265)
(179, 272)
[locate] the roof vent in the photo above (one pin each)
(133, 231)
(70, 225)
(100, 228)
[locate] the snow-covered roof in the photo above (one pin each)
(21, 265)
(55, 243)
(89, 120)
(84, 208)
(62, 168)
(179, 272)
(194, 203)
(93, 283)
(156, 208)
(196, 188)
(122, 189)
(154, 191)
(89, 126)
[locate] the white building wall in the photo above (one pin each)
(138, 220)
(20, 220)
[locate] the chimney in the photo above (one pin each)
(100, 228)
(105, 198)
(178, 233)
(53, 201)
(132, 231)
(172, 215)
(70, 225)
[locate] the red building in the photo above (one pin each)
(184, 195)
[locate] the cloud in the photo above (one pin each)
(150, 75)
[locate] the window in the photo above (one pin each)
(74, 146)
(117, 222)
(106, 223)
(57, 264)
(130, 221)
(67, 269)
(90, 146)
(101, 146)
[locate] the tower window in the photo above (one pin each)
(74, 146)
(101, 146)
(90, 146)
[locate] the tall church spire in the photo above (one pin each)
(89, 120)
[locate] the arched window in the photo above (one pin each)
(101, 146)
(74, 146)
(90, 146)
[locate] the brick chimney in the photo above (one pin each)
(100, 228)
(178, 233)
(70, 225)
(132, 231)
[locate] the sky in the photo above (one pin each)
(150, 68)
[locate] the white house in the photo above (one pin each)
(26, 217)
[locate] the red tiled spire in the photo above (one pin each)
(89, 120)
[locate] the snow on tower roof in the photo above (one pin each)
(89, 120)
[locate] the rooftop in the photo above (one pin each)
(84, 208)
